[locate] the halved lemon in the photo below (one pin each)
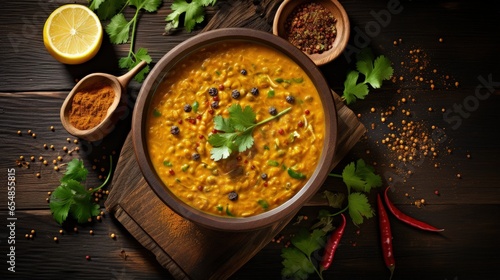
(72, 34)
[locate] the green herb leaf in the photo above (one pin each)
(296, 265)
(374, 71)
(156, 113)
(263, 203)
(273, 163)
(359, 207)
(360, 177)
(236, 131)
(75, 171)
(167, 163)
(71, 198)
(195, 106)
(194, 13)
(297, 261)
(335, 200)
(295, 174)
(121, 30)
(106, 9)
(118, 29)
(353, 90)
(270, 93)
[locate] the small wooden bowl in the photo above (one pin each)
(343, 28)
(119, 85)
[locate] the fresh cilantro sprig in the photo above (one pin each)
(374, 70)
(298, 262)
(194, 13)
(297, 259)
(235, 132)
(359, 179)
(121, 30)
(71, 198)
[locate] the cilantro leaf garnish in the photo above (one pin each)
(297, 261)
(375, 71)
(236, 131)
(193, 10)
(121, 31)
(71, 198)
(359, 207)
(360, 176)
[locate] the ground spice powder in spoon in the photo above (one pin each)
(90, 106)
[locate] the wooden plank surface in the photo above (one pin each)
(33, 85)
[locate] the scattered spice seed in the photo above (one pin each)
(87, 258)
(113, 236)
(56, 239)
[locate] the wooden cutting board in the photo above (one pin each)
(186, 250)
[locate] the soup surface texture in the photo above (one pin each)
(203, 89)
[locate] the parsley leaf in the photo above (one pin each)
(359, 207)
(194, 13)
(297, 261)
(375, 71)
(71, 198)
(236, 131)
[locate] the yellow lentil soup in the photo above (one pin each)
(205, 89)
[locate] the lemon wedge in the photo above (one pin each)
(72, 34)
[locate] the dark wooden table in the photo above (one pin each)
(459, 39)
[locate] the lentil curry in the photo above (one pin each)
(284, 153)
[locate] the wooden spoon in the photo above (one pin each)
(93, 81)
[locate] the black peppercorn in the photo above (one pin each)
(290, 99)
(187, 108)
(263, 176)
(243, 72)
(273, 111)
(215, 104)
(196, 156)
(175, 130)
(254, 91)
(235, 94)
(232, 196)
(213, 91)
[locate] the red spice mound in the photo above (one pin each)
(311, 28)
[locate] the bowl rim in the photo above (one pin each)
(177, 54)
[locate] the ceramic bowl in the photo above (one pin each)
(175, 57)
(285, 11)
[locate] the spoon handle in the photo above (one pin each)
(125, 78)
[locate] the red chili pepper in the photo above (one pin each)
(332, 244)
(385, 236)
(405, 218)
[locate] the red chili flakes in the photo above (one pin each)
(221, 87)
(307, 112)
(171, 172)
(300, 124)
(311, 28)
(281, 131)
